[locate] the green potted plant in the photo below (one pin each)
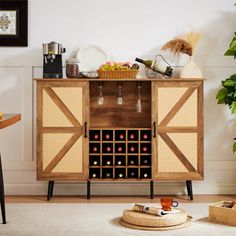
(227, 94)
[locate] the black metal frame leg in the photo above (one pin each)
(88, 189)
(2, 195)
(50, 190)
(189, 189)
(151, 189)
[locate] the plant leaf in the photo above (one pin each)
(229, 82)
(232, 48)
(233, 43)
(221, 95)
(230, 52)
(233, 107)
(234, 147)
(233, 77)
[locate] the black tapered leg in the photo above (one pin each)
(151, 189)
(2, 195)
(189, 189)
(88, 189)
(50, 189)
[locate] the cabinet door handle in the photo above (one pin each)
(85, 129)
(154, 129)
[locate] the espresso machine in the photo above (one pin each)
(52, 60)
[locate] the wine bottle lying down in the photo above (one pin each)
(161, 69)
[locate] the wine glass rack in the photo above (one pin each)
(120, 153)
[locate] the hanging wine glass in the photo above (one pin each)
(100, 98)
(120, 97)
(139, 101)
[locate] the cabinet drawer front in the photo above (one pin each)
(61, 114)
(178, 148)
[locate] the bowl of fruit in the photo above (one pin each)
(118, 70)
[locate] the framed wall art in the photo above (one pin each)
(14, 23)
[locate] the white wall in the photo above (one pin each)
(125, 29)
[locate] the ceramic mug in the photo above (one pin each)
(167, 203)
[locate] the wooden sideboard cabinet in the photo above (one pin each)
(80, 140)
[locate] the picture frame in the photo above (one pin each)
(13, 23)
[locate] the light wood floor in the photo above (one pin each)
(115, 199)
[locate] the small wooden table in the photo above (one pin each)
(6, 120)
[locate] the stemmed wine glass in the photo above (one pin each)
(120, 97)
(139, 101)
(100, 98)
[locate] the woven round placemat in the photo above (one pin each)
(147, 220)
(147, 228)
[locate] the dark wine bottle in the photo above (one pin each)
(131, 136)
(120, 135)
(107, 135)
(120, 175)
(120, 147)
(145, 136)
(94, 175)
(145, 149)
(164, 70)
(132, 174)
(132, 149)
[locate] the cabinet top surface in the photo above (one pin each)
(125, 79)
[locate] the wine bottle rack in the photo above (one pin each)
(120, 153)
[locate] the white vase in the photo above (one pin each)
(191, 70)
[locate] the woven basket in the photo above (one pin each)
(147, 220)
(117, 74)
(222, 215)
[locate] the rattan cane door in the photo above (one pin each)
(177, 110)
(62, 119)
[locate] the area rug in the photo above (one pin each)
(59, 219)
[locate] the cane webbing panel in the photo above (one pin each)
(167, 161)
(187, 115)
(52, 115)
(52, 144)
(167, 98)
(187, 144)
(72, 161)
(72, 97)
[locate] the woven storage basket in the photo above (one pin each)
(117, 74)
(222, 215)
